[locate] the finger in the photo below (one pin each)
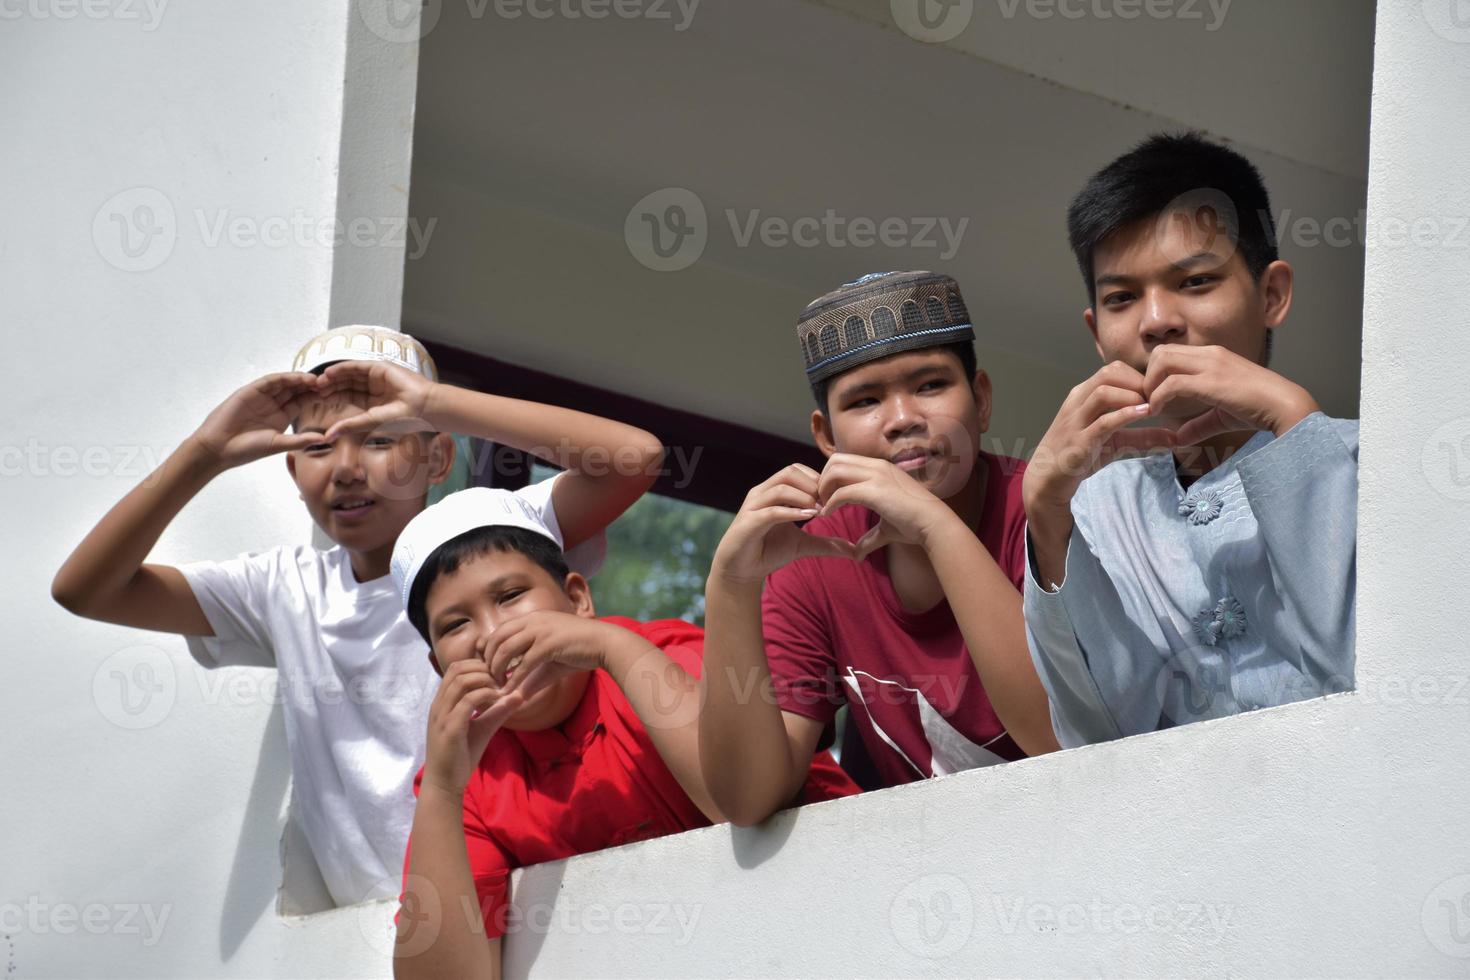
(496, 714)
(509, 655)
(797, 475)
(1113, 423)
(294, 442)
(1178, 387)
(1212, 423)
(784, 495)
(530, 682)
(467, 707)
(878, 536)
(1116, 374)
(368, 421)
(853, 493)
(821, 546)
(1168, 361)
(1109, 398)
(768, 517)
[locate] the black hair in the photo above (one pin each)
(447, 558)
(964, 350)
(1164, 171)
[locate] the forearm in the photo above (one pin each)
(666, 700)
(440, 929)
(572, 440)
(744, 751)
(108, 558)
(988, 609)
(1050, 530)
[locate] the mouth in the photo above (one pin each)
(913, 458)
(351, 508)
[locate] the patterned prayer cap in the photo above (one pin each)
(881, 314)
(360, 342)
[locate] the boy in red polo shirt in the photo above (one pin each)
(553, 732)
(907, 606)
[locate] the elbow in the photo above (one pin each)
(67, 596)
(740, 809)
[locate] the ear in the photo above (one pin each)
(1276, 286)
(580, 593)
(434, 662)
(441, 457)
(291, 465)
(1090, 318)
(981, 388)
(822, 432)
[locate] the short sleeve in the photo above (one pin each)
(588, 556)
(234, 596)
(799, 646)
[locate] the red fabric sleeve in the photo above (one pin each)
(798, 645)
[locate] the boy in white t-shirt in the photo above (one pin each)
(364, 425)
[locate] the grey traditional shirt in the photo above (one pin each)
(1182, 605)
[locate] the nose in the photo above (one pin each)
(347, 462)
(903, 416)
(1161, 321)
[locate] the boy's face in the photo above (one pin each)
(1177, 279)
(916, 409)
(363, 488)
(466, 606)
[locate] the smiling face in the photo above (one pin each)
(916, 409)
(464, 607)
(363, 488)
(1177, 279)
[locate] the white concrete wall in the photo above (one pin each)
(136, 784)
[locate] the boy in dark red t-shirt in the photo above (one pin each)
(908, 608)
(553, 732)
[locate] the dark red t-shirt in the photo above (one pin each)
(594, 781)
(836, 631)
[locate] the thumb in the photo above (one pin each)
(291, 442)
(1212, 423)
(821, 546)
(878, 536)
(365, 421)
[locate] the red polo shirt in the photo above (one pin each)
(592, 782)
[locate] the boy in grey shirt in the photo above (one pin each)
(1202, 563)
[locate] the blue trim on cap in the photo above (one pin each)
(886, 340)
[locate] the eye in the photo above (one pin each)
(451, 626)
(1116, 299)
(379, 442)
(863, 403)
(1194, 282)
(511, 595)
(935, 384)
(317, 448)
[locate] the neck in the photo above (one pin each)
(969, 502)
(368, 565)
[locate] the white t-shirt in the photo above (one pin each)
(355, 686)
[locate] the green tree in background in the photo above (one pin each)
(658, 555)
